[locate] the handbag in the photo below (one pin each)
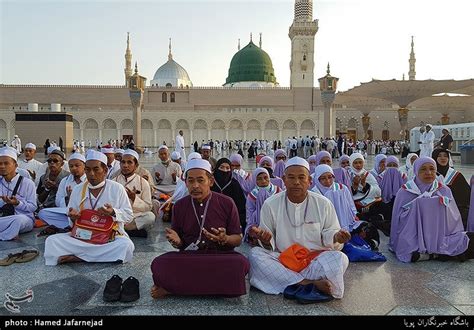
(8, 209)
(93, 227)
(297, 257)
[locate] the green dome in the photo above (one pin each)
(251, 63)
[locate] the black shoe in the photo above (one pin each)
(112, 289)
(130, 290)
(137, 233)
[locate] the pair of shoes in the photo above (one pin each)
(21, 257)
(127, 291)
(291, 290)
(309, 294)
(137, 233)
(417, 256)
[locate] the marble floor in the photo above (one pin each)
(389, 288)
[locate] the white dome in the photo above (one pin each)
(171, 73)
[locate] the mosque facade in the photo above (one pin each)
(249, 105)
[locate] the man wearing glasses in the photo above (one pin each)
(49, 182)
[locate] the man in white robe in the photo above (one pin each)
(179, 145)
(16, 144)
(427, 142)
(112, 164)
(166, 172)
(23, 202)
(139, 193)
(57, 216)
(107, 197)
(303, 217)
(30, 164)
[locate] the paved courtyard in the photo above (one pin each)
(389, 288)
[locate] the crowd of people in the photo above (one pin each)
(305, 215)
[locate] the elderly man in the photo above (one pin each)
(56, 217)
(303, 217)
(206, 154)
(49, 182)
(205, 229)
(112, 164)
(30, 164)
(17, 198)
(166, 172)
(139, 193)
(176, 157)
(108, 198)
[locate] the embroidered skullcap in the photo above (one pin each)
(163, 147)
(199, 164)
(77, 156)
(321, 169)
(119, 151)
(95, 155)
(30, 146)
(175, 155)
(131, 152)
(51, 149)
(194, 155)
(9, 152)
(107, 149)
(297, 161)
(59, 153)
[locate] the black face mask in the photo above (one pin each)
(222, 177)
(270, 171)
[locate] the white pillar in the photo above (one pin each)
(191, 136)
(155, 137)
(245, 135)
(280, 134)
(208, 134)
(262, 134)
(100, 135)
(227, 134)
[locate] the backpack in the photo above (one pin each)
(312, 144)
(307, 143)
(293, 146)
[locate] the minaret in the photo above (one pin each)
(170, 56)
(412, 72)
(302, 33)
(128, 62)
(260, 42)
(238, 46)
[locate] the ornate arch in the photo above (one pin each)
(289, 124)
(182, 124)
(307, 124)
(147, 124)
(271, 124)
(109, 124)
(75, 124)
(235, 124)
(254, 124)
(218, 124)
(126, 124)
(91, 124)
(200, 124)
(164, 124)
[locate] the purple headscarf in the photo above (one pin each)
(321, 154)
(343, 158)
(266, 159)
(278, 152)
(416, 167)
(392, 159)
(391, 183)
(377, 161)
(279, 168)
(236, 158)
(312, 158)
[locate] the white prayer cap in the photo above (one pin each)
(199, 163)
(15, 136)
(77, 156)
(163, 147)
(119, 151)
(9, 152)
(321, 169)
(194, 155)
(95, 155)
(297, 161)
(206, 147)
(30, 146)
(431, 126)
(131, 152)
(107, 149)
(355, 156)
(175, 155)
(51, 149)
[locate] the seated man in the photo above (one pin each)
(139, 193)
(113, 165)
(49, 182)
(166, 172)
(30, 164)
(303, 217)
(205, 228)
(107, 197)
(17, 198)
(56, 217)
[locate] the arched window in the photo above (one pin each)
(172, 97)
(168, 85)
(164, 97)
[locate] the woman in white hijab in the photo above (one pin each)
(408, 168)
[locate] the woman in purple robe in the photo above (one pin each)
(255, 199)
(267, 163)
(454, 180)
(340, 174)
(344, 161)
(280, 160)
(426, 223)
(470, 219)
(312, 164)
(391, 181)
(379, 167)
(341, 198)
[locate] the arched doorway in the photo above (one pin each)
(289, 129)
(91, 131)
(200, 131)
(218, 130)
(271, 130)
(307, 128)
(164, 132)
(235, 130)
(147, 133)
(109, 130)
(253, 130)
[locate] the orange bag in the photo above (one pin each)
(297, 257)
(92, 227)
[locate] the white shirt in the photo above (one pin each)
(113, 193)
(179, 143)
(142, 201)
(288, 224)
(61, 194)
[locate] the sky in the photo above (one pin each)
(79, 42)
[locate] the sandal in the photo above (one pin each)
(27, 255)
(50, 230)
(10, 259)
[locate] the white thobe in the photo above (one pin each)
(23, 219)
(32, 165)
(312, 224)
(57, 216)
(120, 249)
(165, 184)
(179, 146)
(142, 204)
(114, 170)
(427, 144)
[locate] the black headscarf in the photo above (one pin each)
(221, 177)
(441, 169)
